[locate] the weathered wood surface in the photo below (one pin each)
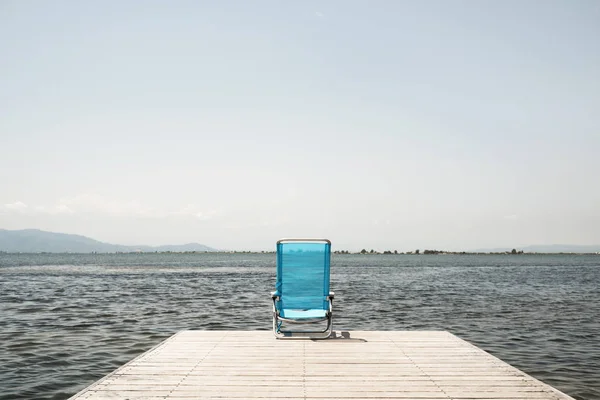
(354, 365)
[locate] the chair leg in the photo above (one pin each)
(329, 325)
(321, 334)
(276, 325)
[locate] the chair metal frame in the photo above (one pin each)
(278, 319)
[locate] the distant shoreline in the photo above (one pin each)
(340, 252)
(35, 241)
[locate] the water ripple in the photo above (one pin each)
(68, 320)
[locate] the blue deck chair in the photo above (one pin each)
(302, 293)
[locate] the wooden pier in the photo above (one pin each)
(353, 365)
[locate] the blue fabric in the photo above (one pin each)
(303, 277)
(301, 314)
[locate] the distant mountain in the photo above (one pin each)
(37, 241)
(562, 248)
(549, 248)
(180, 247)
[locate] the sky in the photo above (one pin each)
(392, 125)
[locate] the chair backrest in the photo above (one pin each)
(303, 273)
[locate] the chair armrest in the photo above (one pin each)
(275, 296)
(330, 298)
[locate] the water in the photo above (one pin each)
(67, 320)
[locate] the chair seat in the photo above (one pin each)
(302, 314)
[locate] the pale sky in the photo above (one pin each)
(377, 124)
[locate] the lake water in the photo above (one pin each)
(67, 320)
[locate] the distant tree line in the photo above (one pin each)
(418, 252)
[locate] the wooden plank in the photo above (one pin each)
(354, 365)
